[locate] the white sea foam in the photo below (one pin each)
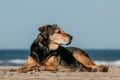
(22, 61)
(115, 63)
(17, 61)
(110, 63)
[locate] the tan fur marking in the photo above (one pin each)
(84, 60)
(28, 65)
(53, 46)
(50, 65)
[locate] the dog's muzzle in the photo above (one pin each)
(70, 39)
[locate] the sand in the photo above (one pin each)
(8, 73)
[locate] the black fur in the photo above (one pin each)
(65, 55)
(42, 53)
(38, 53)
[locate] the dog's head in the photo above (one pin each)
(54, 35)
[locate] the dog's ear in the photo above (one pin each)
(40, 37)
(45, 30)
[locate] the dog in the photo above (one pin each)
(47, 54)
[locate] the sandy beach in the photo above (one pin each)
(8, 73)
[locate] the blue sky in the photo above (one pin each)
(94, 24)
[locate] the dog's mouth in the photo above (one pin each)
(70, 40)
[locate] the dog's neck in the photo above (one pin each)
(53, 46)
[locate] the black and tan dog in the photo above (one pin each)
(47, 54)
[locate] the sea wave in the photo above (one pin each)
(12, 62)
(22, 61)
(109, 63)
(17, 61)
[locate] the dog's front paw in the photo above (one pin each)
(42, 68)
(23, 70)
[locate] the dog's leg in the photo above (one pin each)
(28, 65)
(50, 64)
(88, 63)
(85, 61)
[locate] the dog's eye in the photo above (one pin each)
(59, 32)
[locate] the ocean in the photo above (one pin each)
(100, 57)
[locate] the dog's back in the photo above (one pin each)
(67, 61)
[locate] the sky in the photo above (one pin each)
(94, 24)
